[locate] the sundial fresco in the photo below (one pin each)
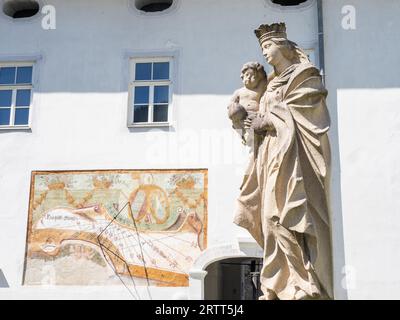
(101, 227)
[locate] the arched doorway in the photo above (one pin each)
(244, 250)
(233, 279)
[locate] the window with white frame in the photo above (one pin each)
(15, 94)
(150, 91)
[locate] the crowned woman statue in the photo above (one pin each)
(283, 201)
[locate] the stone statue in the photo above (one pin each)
(283, 200)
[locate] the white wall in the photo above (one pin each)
(79, 116)
(79, 119)
(364, 97)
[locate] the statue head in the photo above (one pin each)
(252, 74)
(276, 47)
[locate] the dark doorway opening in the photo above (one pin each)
(233, 279)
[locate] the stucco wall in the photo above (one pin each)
(80, 108)
(362, 78)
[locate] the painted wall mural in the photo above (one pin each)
(141, 227)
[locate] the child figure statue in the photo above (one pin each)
(246, 100)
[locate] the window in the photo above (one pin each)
(153, 5)
(15, 94)
(150, 92)
(21, 9)
(288, 2)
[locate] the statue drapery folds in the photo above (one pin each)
(283, 201)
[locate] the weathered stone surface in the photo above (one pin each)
(284, 199)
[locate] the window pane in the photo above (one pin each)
(160, 113)
(161, 71)
(5, 116)
(21, 116)
(161, 94)
(140, 114)
(7, 75)
(24, 75)
(23, 98)
(142, 95)
(5, 98)
(143, 71)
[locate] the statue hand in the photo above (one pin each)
(256, 125)
(247, 123)
(261, 124)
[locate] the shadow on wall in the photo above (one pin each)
(206, 64)
(365, 55)
(3, 280)
(91, 58)
(339, 262)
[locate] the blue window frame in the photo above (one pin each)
(150, 91)
(15, 94)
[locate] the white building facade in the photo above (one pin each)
(76, 93)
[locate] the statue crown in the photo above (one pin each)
(275, 30)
